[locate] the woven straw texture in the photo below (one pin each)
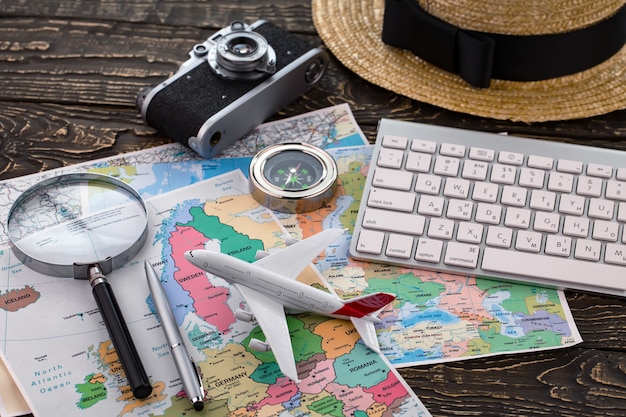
(351, 29)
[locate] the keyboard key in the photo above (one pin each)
(431, 205)
(503, 174)
(531, 178)
(451, 149)
(393, 178)
(560, 271)
(600, 208)
(456, 187)
(542, 200)
(427, 146)
(528, 241)
(513, 196)
(511, 158)
(572, 167)
(589, 250)
(615, 254)
(475, 170)
(398, 222)
(469, 232)
(572, 204)
(558, 245)
(543, 162)
(597, 170)
(419, 162)
(428, 250)
(558, 181)
(440, 228)
(589, 186)
(485, 191)
(399, 246)
(616, 190)
(390, 158)
(428, 184)
(605, 230)
(461, 254)
(481, 154)
(447, 166)
(370, 242)
(576, 226)
(394, 142)
(391, 199)
(499, 236)
(488, 213)
(459, 209)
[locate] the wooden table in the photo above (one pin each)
(69, 74)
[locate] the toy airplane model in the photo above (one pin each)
(269, 286)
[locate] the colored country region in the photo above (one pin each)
(391, 391)
(355, 399)
(327, 406)
(14, 300)
(91, 391)
(408, 287)
(338, 337)
(363, 367)
(353, 183)
(533, 340)
(131, 403)
(305, 345)
(232, 242)
(285, 393)
(208, 302)
(318, 377)
(233, 384)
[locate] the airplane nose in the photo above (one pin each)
(189, 255)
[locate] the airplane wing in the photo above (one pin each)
(271, 317)
(290, 261)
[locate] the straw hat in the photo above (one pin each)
(352, 30)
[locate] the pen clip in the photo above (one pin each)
(195, 368)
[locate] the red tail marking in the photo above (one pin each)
(362, 306)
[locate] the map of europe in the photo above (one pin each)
(436, 317)
(67, 356)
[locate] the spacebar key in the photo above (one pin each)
(562, 272)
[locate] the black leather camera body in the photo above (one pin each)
(231, 83)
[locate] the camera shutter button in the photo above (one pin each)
(200, 50)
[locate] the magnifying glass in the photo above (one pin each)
(84, 226)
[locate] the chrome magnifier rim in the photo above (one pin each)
(78, 270)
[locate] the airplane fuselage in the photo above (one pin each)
(290, 293)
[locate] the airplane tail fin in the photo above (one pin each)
(365, 305)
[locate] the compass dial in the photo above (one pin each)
(293, 177)
(293, 170)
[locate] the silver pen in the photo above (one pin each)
(192, 383)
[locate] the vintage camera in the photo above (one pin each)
(231, 83)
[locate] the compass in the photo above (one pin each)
(293, 177)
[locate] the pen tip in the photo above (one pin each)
(198, 405)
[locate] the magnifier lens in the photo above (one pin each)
(75, 220)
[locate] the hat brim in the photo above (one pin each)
(351, 29)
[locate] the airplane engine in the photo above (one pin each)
(244, 315)
(259, 345)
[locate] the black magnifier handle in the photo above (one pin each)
(120, 336)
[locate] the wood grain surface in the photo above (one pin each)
(69, 75)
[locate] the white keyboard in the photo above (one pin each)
(495, 206)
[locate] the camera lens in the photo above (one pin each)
(242, 55)
(242, 46)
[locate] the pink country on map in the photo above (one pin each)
(193, 281)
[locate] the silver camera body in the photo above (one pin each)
(230, 84)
